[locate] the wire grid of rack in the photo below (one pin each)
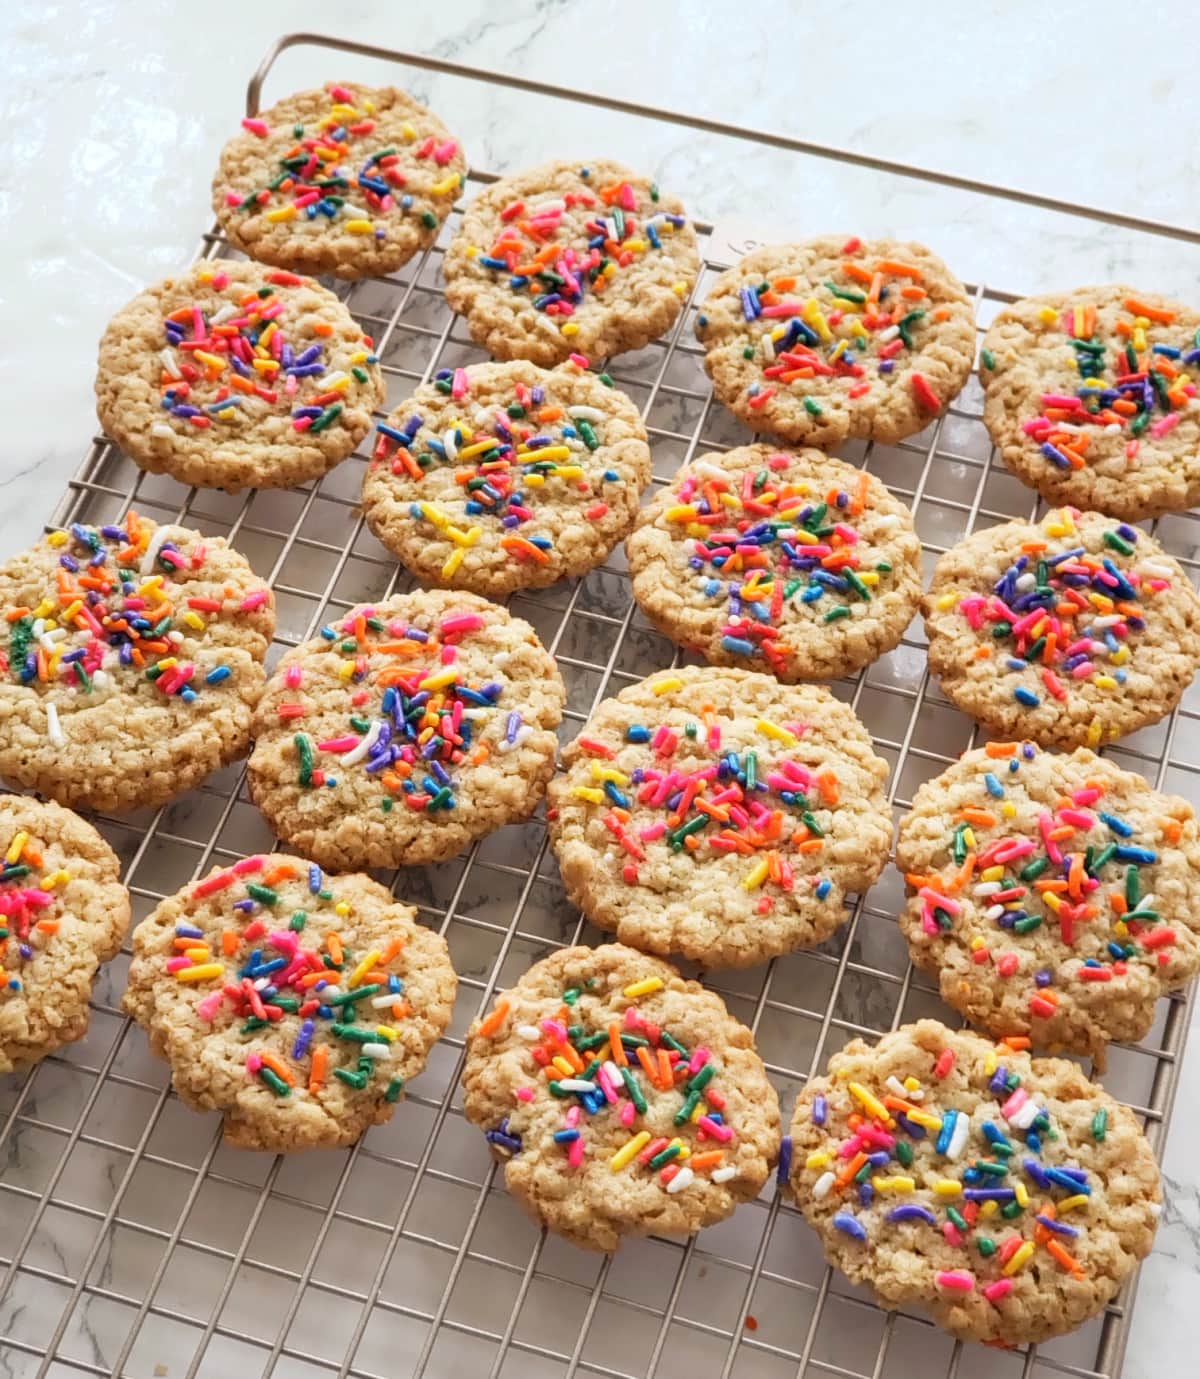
(134, 1243)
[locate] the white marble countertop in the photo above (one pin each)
(115, 112)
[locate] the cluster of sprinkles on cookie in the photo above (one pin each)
(965, 1180)
(1046, 874)
(28, 905)
(411, 722)
(545, 257)
(266, 973)
(336, 170)
(1126, 384)
(220, 366)
(617, 1071)
(530, 449)
(114, 612)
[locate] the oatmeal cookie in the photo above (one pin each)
(721, 815)
(787, 561)
(500, 477)
(621, 1099)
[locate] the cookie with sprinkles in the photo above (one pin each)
(721, 815)
(405, 731)
(838, 338)
(1052, 895)
(1090, 397)
(131, 657)
(298, 1005)
(232, 376)
(63, 912)
(787, 561)
(571, 258)
(500, 477)
(1009, 1196)
(621, 1099)
(347, 179)
(1069, 632)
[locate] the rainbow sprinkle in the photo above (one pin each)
(629, 1068)
(237, 363)
(329, 1011)
(29, 912)
(771, 547)
(1133, 381)
(119, 609)
(341, 171)
(505, 459)
(1082, 869)
(415, 720)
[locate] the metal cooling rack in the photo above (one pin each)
(134, 1243)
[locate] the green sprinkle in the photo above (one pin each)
(689, 730)
(327, 417)
(692, 826)
(355, 1080)
(672, 1151)
(690, 1102)
(751, 769)
(748, 352)
(960, 844)
(957, 1217)
(988, 358)
(386, 804)
(812, 406)
(1133, 886)
(1117, 542)
(672, 1043)
(606, 379)
(590, 439)
(394, 1088)
(857, 585)
(1028, 924)
(1100, 1124)
(360, 724)
(904, 1152)
(429, 220)
(635, 1092)
(347, 998)
(985, 1245)
(360, 373)
(1139, 424)
(703, 1078)
(864, 1172)
(274, 1081)
(571, 995)
(987, 1166)
(263, 894)
(1011, 1209)
(847, 294)
(1103, 856)
(298, 921)
(355, 1033)
(835, 613)
(809, 820)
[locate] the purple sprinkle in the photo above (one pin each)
(912, 1212)
(850, 1225)
(820, 1110)
(785, 1161)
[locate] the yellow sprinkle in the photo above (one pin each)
(898, 1183)
(464, 538)
(1070, 1203)
(925, 1118)
(468, 452)
(1008, 809)
(194, 620)
(366, 963)
(360, 227)
(911, 1084)
(43, 609)
(947, 1187)
(434, 515)
(446, 185)
(16, 847)
(815, 317)
(452, 561)
(387, 1032)
(408, 131)
(701, 1110)
(198, 954)
(681, 512)
(1121, 929)
(819, 1158)
(978, 942)
(472, 252)
(667, 686)
(600, 772)
(570, 328)
(1094, 733)
(58, 538)
(628, 1150)
(1048, 316)
(869, 577)
(684, 1151)
(946, 601)
(756, 875)
(345, 670)
(562, 1065)
(989, 1209)
(586, 792)
(679, 289)
(775, 730)
(1139, 337)
(168, 662)
(643, 988)
(839, 349)
(341, 908)
(990, 1061)
(1119, 657)
(438, 681)
(205, 973)
(1105, 682)
(56, 878)
(1019, 1260)
(282, 213)
(871, 1103)
(1022, 1194)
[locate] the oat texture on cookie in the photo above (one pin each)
(1071, 631)
(1053, 895)
(230, 375)
(405, 731)
(346, 179)
(721, 815)
(836, 338)
(1008, 1195)
(499, 477)
(63, 912)
(130, 661)
(297, 1004)
(1090, 397)
(621, 1099)
(571, 258)
(791, 562)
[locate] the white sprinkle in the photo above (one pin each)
(890, 334)
(546, 207)
(1024, 1118)
(708, 469)
(768, 349)
(450, 441)
(224, 313)
(380, 1002)
(175, 636)
(889, 520)
(365, 743)
(53, 728)
(1108, 620)
(1147, 902)
(530, 1033)
(824, 1185)
(586, 413)
(156, 541)
(576, 1084)
(988, 887)
(614, 1075)
(162, 431)
(522, 736)
(681, 1180)
(168, 361)
(993, 912)
(100, 679)
(1027, 581)
(723, 1174)
(380, 1052)
(1156, 567)
(958, 1136)
(48, 639)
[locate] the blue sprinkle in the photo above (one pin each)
(824, 886)
(850, 1225)
(993, 785)
(1025, 696)
(216, 675)
(738, 645)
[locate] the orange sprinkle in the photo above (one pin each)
(519, 546)
(900, 270)
(711, 1158)
(665, 1075)
(811, 845)
(334, 944)
(393, 950)
(229, 942)
(856, 271)
(48, 926)
(280, 873)
(279, 1068)
(322, 328)
(643, 1057)
(15, 614)
(1016, 1042)
(618, 1049)
(1171, 829)
(1000, 749)
(983, 653)
(846, 1176)
(1151, 313)
(319, 1069)
(983, 817)
(498, 1016)
(1063, 1258)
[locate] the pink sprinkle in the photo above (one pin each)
(710, 1127)
(525, 1093)
(580, 361)
(952, 1234)
(1053, 851)
(449, 655)
(208, 1007)
(339, 744)
(1000, 1289)
(555, 1028)
(1077, 818)
(960, 1280)
(293, 676)
(652, 832)
(942, 902)
(343, 94)
(461, 385)
(1160, 428)
(283, 939)
(253, 1063)
(232, 199)
(254, 600)
(259, 127)
(944, 1063)
(1083, 798)
(572, 1117)
(1014, 1103)
(627, 1113)
(255, 863)
(444, 152)
(632, 1019)
(698, 1059)
(179, 963)
(461, 622)
(575, 1152)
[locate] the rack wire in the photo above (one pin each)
(134, 1243)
